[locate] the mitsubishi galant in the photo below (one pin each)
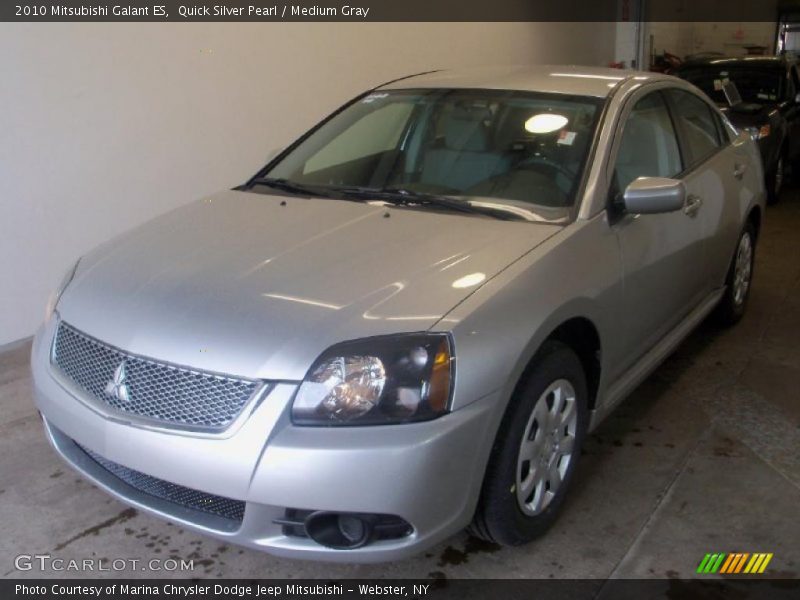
(405, 323)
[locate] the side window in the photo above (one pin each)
(697, 123)
(649, 147)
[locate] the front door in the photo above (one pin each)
(714, 176)
(663, 255)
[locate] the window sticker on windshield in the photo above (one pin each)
(566, 137)
(717, 85)
(373, 97)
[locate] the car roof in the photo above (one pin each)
(574, 80)
(736, 61)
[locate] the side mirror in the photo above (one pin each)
(797, 98)
(653, 195)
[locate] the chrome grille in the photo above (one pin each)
(155, 391)
(172, 492)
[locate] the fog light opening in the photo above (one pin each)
(341, 531)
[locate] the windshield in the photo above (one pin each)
(519, 150)
(754, 85)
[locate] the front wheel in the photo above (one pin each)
(739, 280)
(536, 450)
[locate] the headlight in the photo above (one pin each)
(52, 302)
(757, 132)
(381, 380)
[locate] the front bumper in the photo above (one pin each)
(429, 474)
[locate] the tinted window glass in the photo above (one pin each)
(649, 147)
(754, 84)
(377, 131)
(524, 150)
(696, 120)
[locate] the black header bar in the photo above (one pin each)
(393, 10)
(441, 588)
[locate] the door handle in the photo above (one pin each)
(738, 170)
(692, 205)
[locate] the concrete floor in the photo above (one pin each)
(703, 457)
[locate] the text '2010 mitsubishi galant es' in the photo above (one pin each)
(407, 322)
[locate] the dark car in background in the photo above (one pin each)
(768, 106)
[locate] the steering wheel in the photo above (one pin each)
(548, 164)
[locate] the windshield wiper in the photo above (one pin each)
(405, 197)
(288, 186)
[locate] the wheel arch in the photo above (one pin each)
(582, 335)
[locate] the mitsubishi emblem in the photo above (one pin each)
(117, 388)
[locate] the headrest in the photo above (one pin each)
(464, 128)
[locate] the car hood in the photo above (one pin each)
(258, 286)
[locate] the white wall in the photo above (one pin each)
(103, 126)
(626, 48)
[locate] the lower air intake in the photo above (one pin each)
(219, 506)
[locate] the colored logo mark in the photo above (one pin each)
(734, 563)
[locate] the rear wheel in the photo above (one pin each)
(740, 277)
(536, 450)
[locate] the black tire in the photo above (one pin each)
(731, 308)
(775, 179)
(499, 517)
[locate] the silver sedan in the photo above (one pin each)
(407, 322)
